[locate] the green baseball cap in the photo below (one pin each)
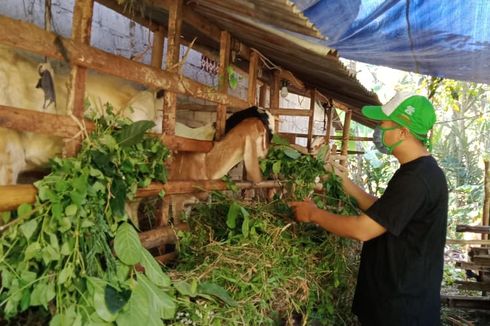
(414, 112)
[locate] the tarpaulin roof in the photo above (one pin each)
(436, 37)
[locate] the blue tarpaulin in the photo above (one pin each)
(444, 38)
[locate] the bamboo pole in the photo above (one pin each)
(262, 95)
(345, 136)
(311, 118)
(252, 78)
(224, 61)
(330, 112)
(173, 55)
(12, 196)
(291, 112)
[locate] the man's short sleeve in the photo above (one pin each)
(404, 196)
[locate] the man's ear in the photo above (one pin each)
(405, 133)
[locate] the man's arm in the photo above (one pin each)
(360, 227)
(364, 200)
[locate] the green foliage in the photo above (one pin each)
(276, 271)
(57, 254)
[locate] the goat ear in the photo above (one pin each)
(251, 160)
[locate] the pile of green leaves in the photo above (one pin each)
(302, 173)
(74, 253)
(278, 272)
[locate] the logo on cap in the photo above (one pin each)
(410, 110)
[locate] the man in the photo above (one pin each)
(404, 230)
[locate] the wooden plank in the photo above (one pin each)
(172, 65)
(345, 136)
(481, 259)
(12, 196)
(473, 228)
(40, 122)
(224, 61)
(262, 95)
(466, 302)
(467, 242)
(474, 286)
(311, 118)
(252, 78)
(29, 37)
(351, 138)
(472, 266)
(291, 112)
(81, 31)
(475, 251)
(161, 235)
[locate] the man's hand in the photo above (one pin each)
(303, 210)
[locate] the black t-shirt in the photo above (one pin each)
(400, 273)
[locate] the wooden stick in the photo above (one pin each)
(274, 96)
(331, 111)
(262, 95)
(468, 242)
(291, 112)
(466, 302)
(157, 48)
(473, 229)
(224, 61)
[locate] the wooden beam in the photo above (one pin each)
(486, 198)
(262, 95)
(466, 302)
(172, 65)
(291, 112)
(182, 144)
(205, 108)
(81, 31)
(311, 118)
(29, 37)
(474, 286)
(157, 47)
(114, 5)
(224, 61)
(40, 122)
(330, 114)
(473, 228)
(345, 135)
(252, 78)
(161, 235)
(12, 196)
(274, 96)
(467, 242)
(472, 266)
(351, 138)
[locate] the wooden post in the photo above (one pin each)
(274, 96)
(224, 61)
(173, 55)
(311, 117)
(486, 200)
(330, 112)
(81, 30)
(252, 78)
(345, 135)
(262, 95)
(157, 49)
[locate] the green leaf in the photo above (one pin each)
(161, 301)
(278, 140)
(24, 210)
(127, 244)
(292, 153)
(118, 191)
(32, 250)
(276, 167)
(133, 133)
(28, 228)
(185, 289)
(101, 307)
(153, 269)
(38, 297)
(108, 141)
(71, 210)
(232, 215)
(218, 292)
(138, 309)
(65, 274)
(116, 300)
